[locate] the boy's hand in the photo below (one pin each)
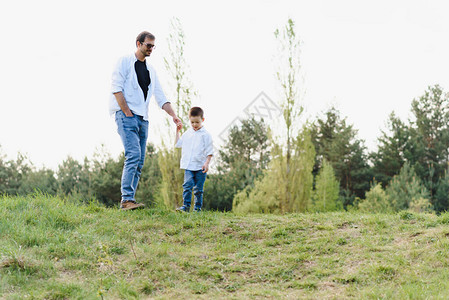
(178, 123)
(205, 167)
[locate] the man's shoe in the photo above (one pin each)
(129, 205)
(197, 209)
(183, 209)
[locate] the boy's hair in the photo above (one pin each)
(143, 35)
(196, 111)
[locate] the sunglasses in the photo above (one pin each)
(149, 46)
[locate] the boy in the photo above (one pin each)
(197, 151)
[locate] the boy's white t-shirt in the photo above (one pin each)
(196, 147)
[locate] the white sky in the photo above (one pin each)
(366, 57)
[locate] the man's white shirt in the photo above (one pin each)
(124, 79)
(196, 147)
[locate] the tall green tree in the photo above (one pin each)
(181, 87)
(336, 142)
(430, 138)
(393, 149)
(287, 183)
(182, 92)
(288, 66)
(423, 142)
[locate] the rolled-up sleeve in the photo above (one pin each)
(158, 91)
(118, 77)
(209, 149)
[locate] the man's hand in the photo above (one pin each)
(178, 123)
(205, 167)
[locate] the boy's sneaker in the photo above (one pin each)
(130, 205)
(183, 209)
(197, 209)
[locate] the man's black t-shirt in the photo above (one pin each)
(143, 76)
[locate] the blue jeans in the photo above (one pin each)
(193, 180)
(134, 133)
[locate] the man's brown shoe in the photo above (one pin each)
(129, 205)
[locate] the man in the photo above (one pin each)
(134, 81)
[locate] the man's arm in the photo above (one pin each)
(122, 103)
(167, 107)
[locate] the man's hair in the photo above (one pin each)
(196, 111)
(143, 35)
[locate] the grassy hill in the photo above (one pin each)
(51, 249)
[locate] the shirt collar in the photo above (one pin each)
(199, 130)
(135, 59)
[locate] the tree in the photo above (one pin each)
(287, 183)
(441, 202)
(169, 157)
(178, 69)
(73, 177)
(269, 194)
(423, 142)
(336, 142)
(287, 74)
(406, 190)
(20, 177)
(42, 180)
(106, 173)
(241, 161)
(393, 148)
(327, 189)
(430, 138)
(377, 201)
(150, 180)
(13, 173)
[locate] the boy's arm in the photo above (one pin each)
(209, 152)
(178, 129)
(205, 167)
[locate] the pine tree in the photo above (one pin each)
(442, 194)
(377, 201)
(337, 142)
(405, 188)
(241, 161)
(392, 150)
(430, 138)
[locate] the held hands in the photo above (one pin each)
(178, 123)
(205, 167)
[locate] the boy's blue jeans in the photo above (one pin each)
(193, 180)
(134, 133)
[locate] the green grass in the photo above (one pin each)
(54, 249)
